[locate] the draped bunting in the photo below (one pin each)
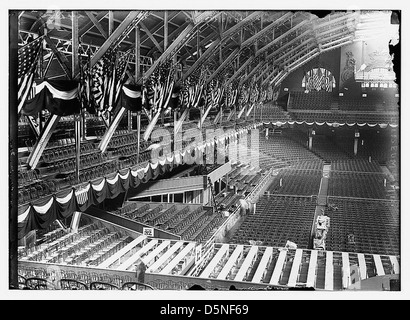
(332, 124)
(59, 97)
(42, 212)
(131, 97)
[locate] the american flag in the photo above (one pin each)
(319, 79)
(216, 93)
(254, 96)
(27, 61)
(160, 86)
(193, 89)
(245, 94)
(270, 93)
(102, 78)
(232, 95)
(85, 80)
(118, 79)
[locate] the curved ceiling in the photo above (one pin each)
(235, 45)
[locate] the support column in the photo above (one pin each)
(165, 30)
(129, 120)
(267, 133)
(75, 221)
(74, 69)
(138, 134)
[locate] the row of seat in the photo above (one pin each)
(310, 101)
(357, 185)
(276, 220)
(65, 152)
(358, 165)
(296, 182)
(375, 226)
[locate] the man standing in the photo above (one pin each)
(140, 268)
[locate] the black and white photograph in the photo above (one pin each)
(206, 152)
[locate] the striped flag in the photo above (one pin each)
(102, 79)
(193, 89)
(119, 77)
(27, 61)
(160, 86)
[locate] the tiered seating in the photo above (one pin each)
(374, 224)
(356, 166)
(327, 150)
(368, 104)
(208, 227)
(310, 101)
(89, 246)
(296, 182)
(285, 149)
(271, 113)
(357, 185)
(278, 219)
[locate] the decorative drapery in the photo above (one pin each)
(60, 97)
(131, 97)
(42, 212)
(332, 124)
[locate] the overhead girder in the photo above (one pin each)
(171, 36)
(96, 23)
(254, 70)
(265, 30)
(269, 77)
(159, 25)
(317, 26)
(336, 43)
(239, 71)
(282, 36)
(129, 22)
(150, 35)
(223, 65)
(223, 37)
(61, 58)
(253, 39)
(324, 33)
(332, 37)
(201, 43)
(290, 60)
(88, 26)
(302, 60)
(281, 50)
(263, 49)
(301, 45)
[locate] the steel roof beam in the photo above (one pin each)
(96, 23)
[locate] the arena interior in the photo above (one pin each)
(174, 150)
